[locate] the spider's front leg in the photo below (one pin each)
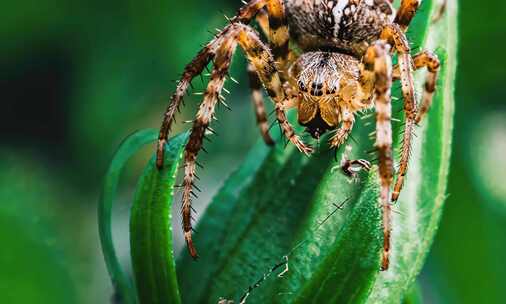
(272, 21)
(378, 61)
(200, 125)
(245, 14)
(261, 58)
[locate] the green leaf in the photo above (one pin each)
(413, 296)
(277, 211)
(288, 197)
(357, 246)
(150, 229)
(130, 146)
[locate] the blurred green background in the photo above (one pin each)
(78, 76)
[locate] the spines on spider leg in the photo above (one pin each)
(408, 92)
(258, 104)
(393, 34)
(244, 15)
(378, 56)
(200, 125)
(431, 61)
(248, 11)
(407, 141)
(289, 132)
(194, 68)
(274, 25)
(261, 58)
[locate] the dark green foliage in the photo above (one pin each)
(150, 230)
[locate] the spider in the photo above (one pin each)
(344, 67)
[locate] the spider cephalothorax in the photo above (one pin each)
(344, 66)
(329, 90)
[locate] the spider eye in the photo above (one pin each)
(317, 85)
(316, 89)
(302, 87)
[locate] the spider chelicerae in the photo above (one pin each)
(344, 66)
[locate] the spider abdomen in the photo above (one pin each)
(348, 26)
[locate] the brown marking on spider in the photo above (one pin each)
(345, 67)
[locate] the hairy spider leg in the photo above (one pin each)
(431, 62)
(377, 60)
(258, 104)
(244, 15)
(394, 35)
(201, 123)
(406, 12)
(273, 23)
(261, 58)
(193, 69)
(283, 55)
(344, 130)
(278, 34)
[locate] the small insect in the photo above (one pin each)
(344, 66)
(352, 167)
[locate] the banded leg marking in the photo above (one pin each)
(342, 133)
(394, 35)
(260, 57)
(258, 104)
(377, 57)
(201, 123)
(431, 61)
(421, 60)
(244, 15)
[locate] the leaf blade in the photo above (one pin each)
(122, 284)
(151, 229)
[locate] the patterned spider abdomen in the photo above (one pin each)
(347, 26)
